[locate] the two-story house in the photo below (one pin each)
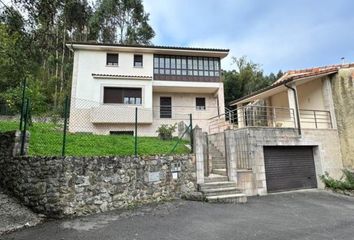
(166, 84)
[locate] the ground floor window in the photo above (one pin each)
(165, 107)
(200, 103)
(122, 95)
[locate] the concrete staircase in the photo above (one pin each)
(217, 188)
(218, 161)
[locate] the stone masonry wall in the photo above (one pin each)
(343, 98)
(66, 186)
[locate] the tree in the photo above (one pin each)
(245, 79)
(121, 21)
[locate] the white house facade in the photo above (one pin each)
(165, 84)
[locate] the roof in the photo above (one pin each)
(293, 75)
(219, 52)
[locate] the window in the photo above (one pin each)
(165, 107)
(112, 59)
(187, 66)
(122, 95)
(138, 60)
(200, 103)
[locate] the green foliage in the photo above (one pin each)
(345, 183)
(246, 78)
(122, 21)
(165, 131)
(33, 43)
(46, 140)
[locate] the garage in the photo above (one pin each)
(289, 168)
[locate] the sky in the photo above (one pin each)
(278, 34)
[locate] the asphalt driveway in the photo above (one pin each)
(297, 215)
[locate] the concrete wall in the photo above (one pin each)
(310, 95)
(326, 145)
(67, 186)
(343, 97)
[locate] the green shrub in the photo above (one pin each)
(165, 131)
(346, 182)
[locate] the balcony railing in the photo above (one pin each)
(273, 117)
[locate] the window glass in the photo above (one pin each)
(178, 72)
(112, 59)
(195, 63)
(167, 63)
(200, 103)
(206, 73)
(138, 60)
(184, 72)
(156, 61)
(138, 101)
(162, 62)
(211, 73)
(200, 63)
(190, 72)
(216, 64)
(121, 95)
(167, 71)
(173, 62)
(173, 72)
(206, 64)
(217, 74)
(190, 63)
(156, 70)
(200, 73)
(211, 64)
(162, 71)
(184, 63)
(178, 63)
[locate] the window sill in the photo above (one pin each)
(112, 66)
(138, 66)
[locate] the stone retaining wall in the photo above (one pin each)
(66, 186)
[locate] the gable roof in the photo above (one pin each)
(293, 75)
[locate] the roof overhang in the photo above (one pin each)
(187, 51)
(118, 76)
(278, 87)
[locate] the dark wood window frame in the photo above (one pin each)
(119, 95)
(189, 66)
(138, 60)
(110, 61)
(200, 103)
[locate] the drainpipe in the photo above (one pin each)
(297, 108)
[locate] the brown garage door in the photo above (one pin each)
(289, 168)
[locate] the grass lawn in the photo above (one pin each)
(46, 140)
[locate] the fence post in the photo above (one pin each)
(66, 103)
(136, 133)
(23, 136)
(191, 131)
(23, 102)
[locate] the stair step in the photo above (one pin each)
(220, 191)
(228, 198)
(216, 185)
(215, 179)
(219, 171)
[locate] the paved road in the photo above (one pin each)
(300, 215)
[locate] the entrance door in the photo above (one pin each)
(165, 107)
(289, 168)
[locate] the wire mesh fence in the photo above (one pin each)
(82, 127)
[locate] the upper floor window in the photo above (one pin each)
(122, 95)
(112, 59)
(200, 103)
(187, 66)
(138, 60)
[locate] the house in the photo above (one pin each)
(166, 85)
(287, 135)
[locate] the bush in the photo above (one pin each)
(346, 183)
(165, 131)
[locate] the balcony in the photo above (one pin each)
(270, 117)
(116, 113)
